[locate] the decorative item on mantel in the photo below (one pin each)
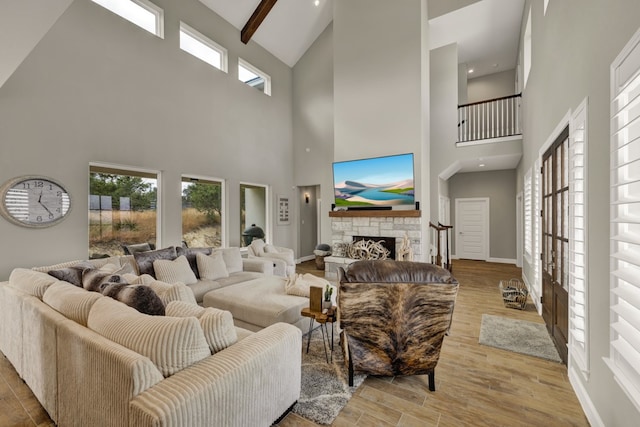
(405, 253)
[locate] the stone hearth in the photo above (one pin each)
(396, 224)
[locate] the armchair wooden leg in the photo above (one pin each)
(432, 380)
(350, 368)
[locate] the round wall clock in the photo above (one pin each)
(34, 201)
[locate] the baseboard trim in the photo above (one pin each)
(588, 407)
(305, 258)
(502, 260)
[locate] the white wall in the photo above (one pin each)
(573, 47)
(491, 86)
(313, 123)
(99, 89)
(381, 86)
(500, 188)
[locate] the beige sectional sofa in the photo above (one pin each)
(91, 360)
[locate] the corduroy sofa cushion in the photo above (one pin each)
(217, 324)
(71, 301)
(172, 343)
(31, 282)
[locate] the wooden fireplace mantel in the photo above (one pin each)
(376, 213)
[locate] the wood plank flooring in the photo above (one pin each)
(475, 385)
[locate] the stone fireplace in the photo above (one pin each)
(390, 225)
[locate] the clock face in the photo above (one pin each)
(34, 201)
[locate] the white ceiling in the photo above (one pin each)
(487, 31)
(290, 28)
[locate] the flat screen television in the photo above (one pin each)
(374, 182)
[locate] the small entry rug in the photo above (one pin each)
(519, 336)
(325, 386)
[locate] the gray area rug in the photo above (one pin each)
(518, 336)
(325, 386)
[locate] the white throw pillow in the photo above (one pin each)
(299, 284)
(232, 259)
(211, 267)
(258, 246)
(173, 271)
(217, 325)
(270, 249)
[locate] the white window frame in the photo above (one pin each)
(624, 348)
(546, 5)
(267, 207)
(124, 168)
(207, 44)
(537, 227)
(223, 203)
(158, 12)
(258, 72)
(578, 244)
(528, 214)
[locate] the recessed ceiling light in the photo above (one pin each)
(495, 65)
(481, 165)
(317, 2)
(470, 70)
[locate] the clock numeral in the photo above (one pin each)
(39, 184)
(59, 210)
(59, 193)
(39, 218)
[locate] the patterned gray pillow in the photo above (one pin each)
(71, 274)
(145, 259)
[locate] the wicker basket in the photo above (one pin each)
(514, 293)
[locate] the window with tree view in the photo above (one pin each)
(201, 212)
(122, 209)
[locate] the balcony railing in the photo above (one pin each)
(495, 118)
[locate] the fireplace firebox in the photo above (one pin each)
(389, 243)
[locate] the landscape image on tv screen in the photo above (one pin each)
(379, 181)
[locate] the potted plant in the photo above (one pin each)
(328, 291)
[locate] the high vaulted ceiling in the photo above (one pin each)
(487, 31)
(288, 31)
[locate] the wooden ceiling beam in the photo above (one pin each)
(256, 19)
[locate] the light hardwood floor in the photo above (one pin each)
(475, 385)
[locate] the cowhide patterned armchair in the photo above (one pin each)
(394, 316)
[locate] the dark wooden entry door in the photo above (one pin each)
(555, 241)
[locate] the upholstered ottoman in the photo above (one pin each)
(259, 303)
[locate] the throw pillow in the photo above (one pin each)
(299, 284)
(190, 253)
(140, 297)
(173, 271)
(71, 274)
(270, 249)
(172, 343)
(145, 259)
(212, 266)
(95, 279)
(217, 325)
(232, 259)
(139, 247)
(258, 246)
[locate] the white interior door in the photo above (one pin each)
(472, 228)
